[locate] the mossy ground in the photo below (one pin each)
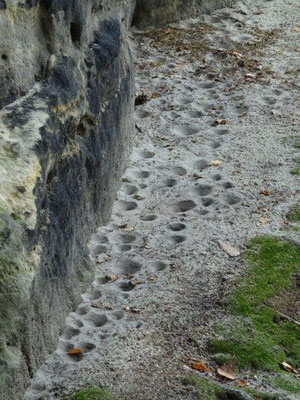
(294, 214)
(257, 394)
(93, 393)
(296, 169)
(296, 144)
(255, 336)
(206, 389)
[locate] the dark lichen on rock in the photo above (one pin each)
(65, 136)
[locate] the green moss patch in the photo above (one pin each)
(93, 393)
(257, 394)
(297, 143)
(256, 336)
(206, 389)
(294, 214)
(296, 169)
(286, 383)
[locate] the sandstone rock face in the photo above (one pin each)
(159, 12)
(65, 125)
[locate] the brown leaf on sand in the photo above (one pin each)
(112, 277)
(250, 76)
(263, 220)
(135, 282)
(75, 352)
(220, 122)
(226, 371)
(287, 367)
(199, 366)
(242, 383)
(231, 251)
(265, 192)
(96, 304)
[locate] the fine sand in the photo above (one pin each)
(217, 129)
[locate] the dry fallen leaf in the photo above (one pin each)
(288, 367)
(226, 371)
(220, 122)
(231, 251)
(75, 352)
(199, 366)
(242, 383)
(236, 54)
(215, 163)
(135, 282)
(112, 277)
(265, 192)
(96, 304)
(264, 220)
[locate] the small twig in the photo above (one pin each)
(293, 321)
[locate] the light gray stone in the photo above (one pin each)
(65, 128)
(160, 12)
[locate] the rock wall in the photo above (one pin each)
(160, 12)
(66, 107)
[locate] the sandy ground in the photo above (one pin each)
(215, 133)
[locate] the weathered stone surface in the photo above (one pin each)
(159, 12)
(65, 127)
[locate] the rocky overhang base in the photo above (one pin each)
(160, 12)
(63, 148)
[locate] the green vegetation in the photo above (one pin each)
(206, 389)
(286, 383)
(296, 169)
(294, 214)
(297, 143)
(210, 391)
(93, 393)
(256, 394)
(255, 336)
